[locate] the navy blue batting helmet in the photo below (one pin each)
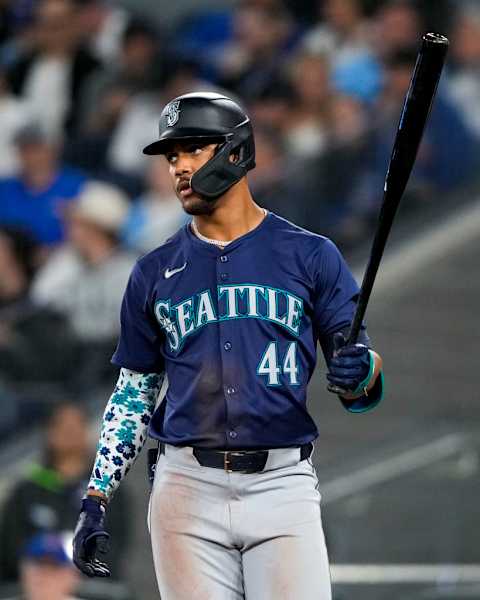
(209, 117)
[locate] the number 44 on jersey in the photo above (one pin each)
(273, 367)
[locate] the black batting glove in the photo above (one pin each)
(350, 368)
(90, 538)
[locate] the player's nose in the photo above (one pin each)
(183, 165)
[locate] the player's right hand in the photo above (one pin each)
(90, 538)
(349, 369)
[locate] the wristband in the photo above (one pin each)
(362, 386)
(94, 501)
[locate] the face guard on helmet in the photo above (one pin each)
(207, 117)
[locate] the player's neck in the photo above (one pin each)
(235, 215)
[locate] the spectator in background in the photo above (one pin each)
(27, 355)
(107, 97)
(85, 278)
(272, 108)
(349, 123)
(102, 26)
(33, 198)
(46, 500)
(14, 114)
(398, 24)
(203, 34)
(445, 157)
(324, 138)
(342, 25)
(274, 182)
(464, 79)
(331, 180)
(307, 129)
(157, 214)
(343, 36)
(46, 571)
(211, 32)
(263, 37)
(134, 130)
(51, 74)
(136, 66)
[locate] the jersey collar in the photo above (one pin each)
(215, 250)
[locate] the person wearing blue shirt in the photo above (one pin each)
(33, 200)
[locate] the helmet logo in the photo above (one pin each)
(173, 113)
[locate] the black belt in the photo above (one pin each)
(246, 461)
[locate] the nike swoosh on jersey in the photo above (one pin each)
(170, 272)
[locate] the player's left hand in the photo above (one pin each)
(350, 367)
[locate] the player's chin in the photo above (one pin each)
(196, 205)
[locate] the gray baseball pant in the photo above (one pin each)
(218, 535)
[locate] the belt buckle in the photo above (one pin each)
(226, 462)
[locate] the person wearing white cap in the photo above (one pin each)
(85, 278)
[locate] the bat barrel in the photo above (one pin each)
(416, 109)
(418, 102)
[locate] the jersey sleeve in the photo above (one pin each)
(336, 291)
(139, 345)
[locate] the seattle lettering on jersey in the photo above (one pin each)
(239, 301)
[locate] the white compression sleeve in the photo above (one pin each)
(124, 428)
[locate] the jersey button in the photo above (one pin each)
(227, 345)
(223, 258)
(223, 276)
(232, 434)
(230, 390)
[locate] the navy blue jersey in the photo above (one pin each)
(236, 332)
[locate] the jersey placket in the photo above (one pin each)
(227, 350)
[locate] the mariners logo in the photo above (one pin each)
(173, 113)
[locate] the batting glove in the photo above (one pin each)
(351, 368)
(90, 538)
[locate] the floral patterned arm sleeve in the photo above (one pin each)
(124, 428)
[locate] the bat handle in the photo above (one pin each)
(353, 334)
(358, 316)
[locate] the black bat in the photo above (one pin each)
(416, 109)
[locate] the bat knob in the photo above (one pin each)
(435, 38)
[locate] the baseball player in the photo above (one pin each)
(230, 311)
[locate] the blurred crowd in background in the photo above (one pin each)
(82, 83)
